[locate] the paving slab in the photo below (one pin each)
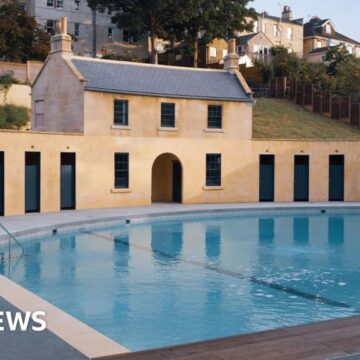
(32, 345)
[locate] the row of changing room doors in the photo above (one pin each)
(33, 178)
(301, 178)
(267, 179)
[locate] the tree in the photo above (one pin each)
(336, 55)
(348, 77)
(315, 74)
(284, 63)
(142, 17)
(21, 38)
(94, 5)
(198, 22)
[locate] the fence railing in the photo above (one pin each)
(346, 108)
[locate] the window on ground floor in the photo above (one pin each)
(213, 169)
(121, 170)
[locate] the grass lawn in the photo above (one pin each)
(282, 119)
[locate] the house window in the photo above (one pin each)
(77, 5)
(109, 10)
(214, 116)
(110, 33)
(212, 51)
(213, 169)
(276, 30)
(121, 170)
(256, 26)
(264, 28)
(59, 4)
(167, 115)
(76, 29)
(290, 33)
(121, 112)
(50, 3)
(328, 28)
(241, 50)
(50, 26)
(225, 52)
(319, 45)
(39, 114)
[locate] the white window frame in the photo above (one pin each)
(290, 33)
(77, 5)
(212, 51)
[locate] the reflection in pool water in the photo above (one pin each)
(166, 283)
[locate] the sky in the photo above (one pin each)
(343, 13)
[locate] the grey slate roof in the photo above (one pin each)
(163, 81)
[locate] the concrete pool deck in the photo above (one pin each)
(84, 340)
(43, 224)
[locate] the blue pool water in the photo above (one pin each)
(166, 283)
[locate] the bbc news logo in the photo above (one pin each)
(17, 320)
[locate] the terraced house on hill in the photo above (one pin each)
(110, 134)
(320, 35)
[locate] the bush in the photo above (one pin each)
(13, 117)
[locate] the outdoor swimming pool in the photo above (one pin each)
(164, 283)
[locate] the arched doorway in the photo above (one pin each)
(166, 179)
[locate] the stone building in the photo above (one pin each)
(285, 31)
(112, 134)
(320, 35)
(80, 18)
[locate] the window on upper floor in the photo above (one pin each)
(276, 30)
(212, 51)
(328, 28)
(167, 115)
(50, 3)
(59, 4)
(50, 26)
(256, 27)
(77, 5)
(121, 171)
(213, 169)
(39, 114)
(121, 112)
(290, 34)
(225, 52)
(110, 33)
(264, 28)
(214, 117)
(76, 29)
(319, 44)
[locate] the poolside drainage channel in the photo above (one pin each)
(237, 275)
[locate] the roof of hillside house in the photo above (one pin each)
(243, 39)
(264, 14)
(158, 80)
(312, 28)
(320, 50)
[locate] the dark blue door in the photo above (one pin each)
(2, 187)
(301, 178)
(32, 181)
(336, 178)
(68, 181)
(267, 175)
(177, 182)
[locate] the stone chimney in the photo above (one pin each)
(61, 41)
(231, 60)
(287, 13)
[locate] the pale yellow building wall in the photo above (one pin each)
(145, 117)
(240, 168)
(19, 95)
